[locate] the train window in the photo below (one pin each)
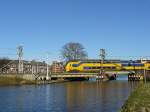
(113, 67)
(86, 68)
(125, 64)
(100, 67)
(93, 67)
(132, 64)
(138, 64)
(75, 65)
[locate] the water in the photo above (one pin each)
(122, 77)
(87, 96)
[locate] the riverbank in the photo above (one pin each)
(6, 81)
(139, 101)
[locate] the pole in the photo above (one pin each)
(144, 61)
(47, 76)
(20, 59)
(32, 69)
(102, 55)
(144, 75)
(37, 68)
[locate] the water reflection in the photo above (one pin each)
(97, 96)
(90, 96)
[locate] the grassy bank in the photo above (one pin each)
(14, 81)
(139, 101)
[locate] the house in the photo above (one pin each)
(31, 67)
(57, 67)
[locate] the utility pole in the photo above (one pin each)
(144, 61)
(144, 75)
(102, 58)
(20, 59)
(37, 67)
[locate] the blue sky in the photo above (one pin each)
(122, 27)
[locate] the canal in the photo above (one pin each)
(85, 96)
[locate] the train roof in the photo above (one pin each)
(109, 60)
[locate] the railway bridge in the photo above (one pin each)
(81, 75)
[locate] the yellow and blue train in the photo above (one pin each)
(113, 65)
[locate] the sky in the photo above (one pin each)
(122, 27)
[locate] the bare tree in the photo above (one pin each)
(3, 62)
(73, 51)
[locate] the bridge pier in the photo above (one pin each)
(135, 77)
(99, 77)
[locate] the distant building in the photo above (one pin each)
(28, 67)
(57, 67)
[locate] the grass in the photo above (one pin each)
(14, 81)
(139, 101)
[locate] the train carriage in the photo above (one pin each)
(112, 65)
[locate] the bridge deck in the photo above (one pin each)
(81, 74)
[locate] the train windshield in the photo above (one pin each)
(75, 65)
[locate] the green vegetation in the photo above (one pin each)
(14, 81)
(139, 101)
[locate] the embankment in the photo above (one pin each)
(4, 81)
(139, 101)
(22, 79)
